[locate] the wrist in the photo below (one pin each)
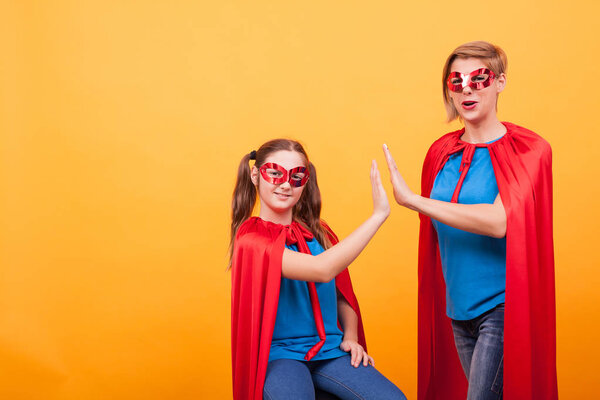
(380, 216)
(413, 202)
(351, 337)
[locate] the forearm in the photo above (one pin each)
(348, 319)
(325, 266)
(483, 219)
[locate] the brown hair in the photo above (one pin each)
(492, 56)
(308, 209)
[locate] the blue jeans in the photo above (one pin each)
(293, 379)
(480, 345)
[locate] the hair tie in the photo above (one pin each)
(253, 155)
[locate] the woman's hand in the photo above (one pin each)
(402, 193)
(381, 205)
(357, 353)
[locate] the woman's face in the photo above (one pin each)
(279, 198)
(475, 105)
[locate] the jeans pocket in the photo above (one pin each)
(497, 385)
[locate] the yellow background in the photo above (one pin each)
(122, 124)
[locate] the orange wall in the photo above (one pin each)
(122, 124)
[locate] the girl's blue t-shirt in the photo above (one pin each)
(474, 266)
(295, 330)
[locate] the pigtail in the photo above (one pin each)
(244, 198)
(308, 208)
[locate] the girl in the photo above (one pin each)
(285, 334)
(485, 241)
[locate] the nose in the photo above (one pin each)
(285, 185)
(467, 90)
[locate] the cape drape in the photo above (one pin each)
(256, 279)
(522, 163)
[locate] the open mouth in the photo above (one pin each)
(468, 104)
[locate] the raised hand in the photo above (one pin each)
(381, 205)
(402, 193)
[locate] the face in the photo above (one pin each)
(474, 89)
(280, 181)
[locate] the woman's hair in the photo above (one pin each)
(308, 209)
(492, 56)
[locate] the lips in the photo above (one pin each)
(469, 105)
(283, 195)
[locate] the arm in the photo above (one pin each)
(349, 321)
(483, 219)
(325, 266)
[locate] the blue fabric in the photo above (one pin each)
(297, 380)
(480, 345)
(474, 266)
(295, 330)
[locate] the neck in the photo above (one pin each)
(283, 218)
(483, 131)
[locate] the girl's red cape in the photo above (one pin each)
(255, 283)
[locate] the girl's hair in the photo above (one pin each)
(308, 209)
(492, 56)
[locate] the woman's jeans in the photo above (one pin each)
(480, 345)
(293, 379)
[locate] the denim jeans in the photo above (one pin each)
(293, 379)
(480, 345)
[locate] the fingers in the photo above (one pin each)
(377, 175)
(388, 157)
(371, 360)
(373, 169)
(354, 356)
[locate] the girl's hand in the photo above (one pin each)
(402, 193)
(381, 205)
(357, 353)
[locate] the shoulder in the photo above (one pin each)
(254, 232)
(442, 142)
(529, 141)
(330, 233)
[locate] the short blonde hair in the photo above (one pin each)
(492, 56)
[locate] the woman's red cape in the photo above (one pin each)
(522, 163)
(255, 283)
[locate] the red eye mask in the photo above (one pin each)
(276, 174)
(478, 79)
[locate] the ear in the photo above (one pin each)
(254, 176)
(500, 83)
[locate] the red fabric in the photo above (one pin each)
(256, 279)
(522, 163)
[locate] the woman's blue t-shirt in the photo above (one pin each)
(295, 331)
(474, 266)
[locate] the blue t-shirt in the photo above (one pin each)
(295, 330)
(474, 266)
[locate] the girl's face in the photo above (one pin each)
(474, 104)
(280, 198)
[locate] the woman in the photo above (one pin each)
(485, 245)
(286, 340)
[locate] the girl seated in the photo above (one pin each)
(296, 323)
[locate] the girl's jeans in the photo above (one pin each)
(293, 379)
(480, 345)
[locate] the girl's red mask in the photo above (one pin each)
(276, 174)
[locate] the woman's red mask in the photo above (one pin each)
(478, 79)
(276, 174)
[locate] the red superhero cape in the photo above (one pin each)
(256, 279)
(522, 163)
